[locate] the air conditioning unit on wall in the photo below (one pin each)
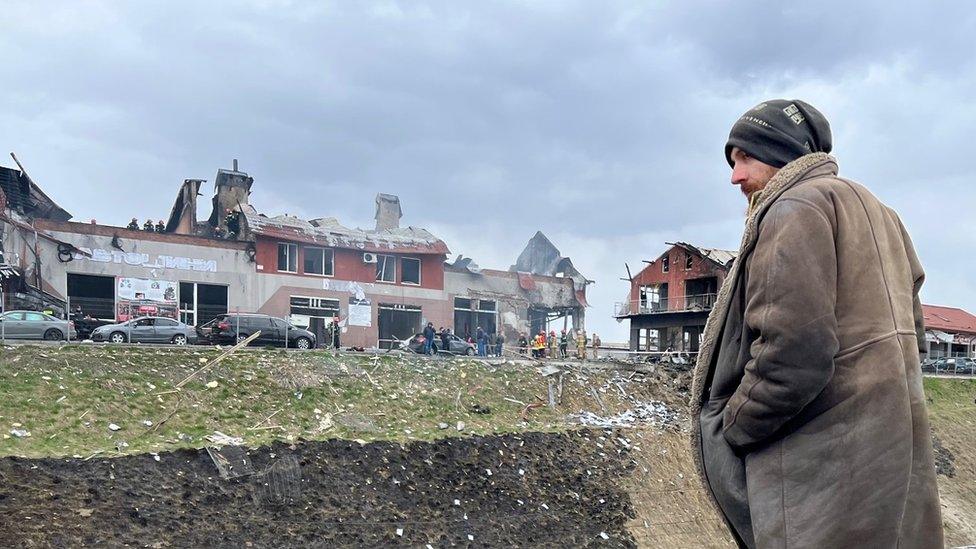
(369, 258)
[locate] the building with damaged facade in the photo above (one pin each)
(949, 332)
(542, 291)
(383, 283)
(670, 298)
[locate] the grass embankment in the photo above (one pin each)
(68, 397)
(952, 412)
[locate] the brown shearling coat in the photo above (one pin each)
(810, 428)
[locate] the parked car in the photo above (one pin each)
(147, 329)
(457, 345)
(36, 325)
(945, 365)
(234, 327)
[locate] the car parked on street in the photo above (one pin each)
(457, 346)
(36, 325)
(147, 329)
(232, 328)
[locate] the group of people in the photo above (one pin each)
(487, 344)
(550, 345)
(148, 226)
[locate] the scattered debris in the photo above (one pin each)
(113, 427)
(20, 433)
(479, 409)
(220, 439)
(212, 384)
(460, 426)
(643, 413)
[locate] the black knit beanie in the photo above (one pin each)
(778, 131)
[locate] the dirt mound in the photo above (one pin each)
(532, 489)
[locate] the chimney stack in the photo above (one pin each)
(388, 212)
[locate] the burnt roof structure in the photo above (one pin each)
(23, 196)
(540, 256)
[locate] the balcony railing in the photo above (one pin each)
(697, 302)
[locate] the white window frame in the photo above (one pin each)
(419, 271)
(325, 252)
(386, 261)
(288, 256)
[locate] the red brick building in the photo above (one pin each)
(670, 298)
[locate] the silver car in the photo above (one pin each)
(35, 325)
(147, 329)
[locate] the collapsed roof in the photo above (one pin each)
(540, 256)
(329, 232)
(23, 196)
(722, 258)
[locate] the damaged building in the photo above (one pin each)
(670, 298)
(383, 283)
(541, 291)
(949, 332)
(21, 282)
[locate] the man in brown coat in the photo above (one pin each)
(809, 416)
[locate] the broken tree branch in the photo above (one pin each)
(222, 356)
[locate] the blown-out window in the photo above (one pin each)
(318, 261)
(410, 270)
(385, 268)
(287, 257)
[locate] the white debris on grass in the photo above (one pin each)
(221, 439)
(642, 413)
(20, 433)
(113, 427)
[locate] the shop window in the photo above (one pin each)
(385, 268)
(318, 261)
(411, 270)
(287, 257)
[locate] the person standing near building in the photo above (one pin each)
(336, 331)
(445, 340)
(500, 344)
(523, 343)
(428, 338)
(563, 345)
(133, 225)
(596, 345)
(581, 344)
(808, 408)
(552, 344)
(148, 226)
(482, 338)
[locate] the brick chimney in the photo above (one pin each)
(388, 212)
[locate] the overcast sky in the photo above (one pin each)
(600, 123)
